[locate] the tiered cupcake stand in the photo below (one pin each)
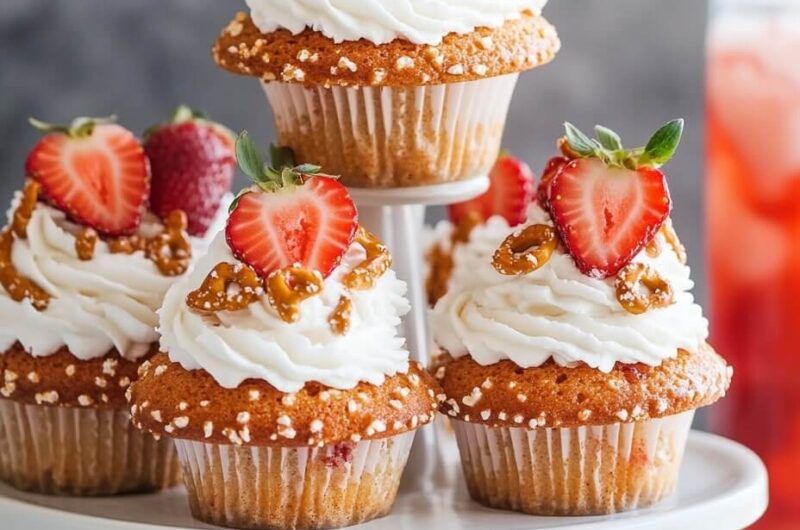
(722, 484)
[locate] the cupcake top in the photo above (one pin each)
(257, 342)
(97, 301)
(594, 276)
(286, 332)
(559, 313)
(514, 43)
(382, 21)
(84, 261)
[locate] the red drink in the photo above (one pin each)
(753, 208)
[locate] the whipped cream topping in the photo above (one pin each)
(107, 302)
(256, 343)
(382, 21)
(558, 312)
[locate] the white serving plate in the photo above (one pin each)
(722, 486)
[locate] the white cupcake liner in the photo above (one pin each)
(293, 487)
(576, 471)
(88, 452)
(379, 137)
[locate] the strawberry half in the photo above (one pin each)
(193, 164)
(609, 204)
(93, 170)
(553, 167)
(509, 194)
(293, 215)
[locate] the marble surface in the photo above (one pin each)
(626, 63)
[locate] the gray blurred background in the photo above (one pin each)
(628, 64)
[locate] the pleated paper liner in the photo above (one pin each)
(395, 137)
(81, 451)
(293, 488)
(575, 471)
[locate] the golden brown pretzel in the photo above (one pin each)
(286, 288)
(216, 293)
(171, 250)
(525, 251)
(640, 288)
(85, 243)
(373, 267)
(340, 318)
(17, 286)
(22, 214)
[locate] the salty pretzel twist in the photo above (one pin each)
(171, 250)
(127, 244)
(24, 211)
(16, 285)
(376, 264)
(464, 228)
(287, 287)
(339, 319)
(640, 288)
(227, 287)
(525, 251)
(85, 243)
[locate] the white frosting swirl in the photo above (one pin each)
(255, 343)
(382, 21)
(107, 302)
(558, 312)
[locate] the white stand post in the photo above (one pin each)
(397, 216)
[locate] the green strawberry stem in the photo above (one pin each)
(607, 146)
(185, 113)
(81, 127)
(281, 174)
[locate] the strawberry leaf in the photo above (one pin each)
(662, 145)
(281, 156)
(81, 127)
(250, 160)
(579, 142)
(183, 114)
(608, 138)
(308, 169)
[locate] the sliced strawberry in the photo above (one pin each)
(509, 194)
(554, 165)
(609, 202)
(311, 224)
(96, 172)
(606, 215)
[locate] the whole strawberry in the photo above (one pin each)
(192, 160)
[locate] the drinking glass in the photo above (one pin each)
(753, 223)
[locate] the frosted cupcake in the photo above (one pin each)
(390, 93)
(83, 268)
(577, 353)
(283, 380)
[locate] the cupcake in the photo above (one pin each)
(509, 194)
(84, 266)
(282, 378)
(390, 94)
(576, 353)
